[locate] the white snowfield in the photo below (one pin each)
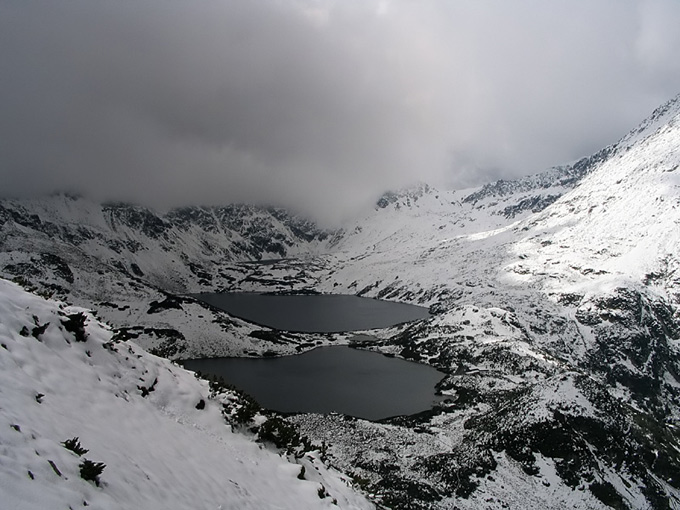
(618, 225)
(160, 451)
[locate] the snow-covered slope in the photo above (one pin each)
(166, 447)
(620, 226)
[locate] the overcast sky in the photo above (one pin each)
(319, 104)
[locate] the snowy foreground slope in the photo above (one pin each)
(556, 316)
(160, 451)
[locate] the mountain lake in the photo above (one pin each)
(337, 379)
(326, 379)
(314, 313)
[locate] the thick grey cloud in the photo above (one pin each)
(319, 104)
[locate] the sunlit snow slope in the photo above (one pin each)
(620, 226)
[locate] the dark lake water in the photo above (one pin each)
(330, 379)
(319, 313)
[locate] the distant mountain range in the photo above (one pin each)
(556, 313)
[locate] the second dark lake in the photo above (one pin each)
(316, 313)
(330, 379)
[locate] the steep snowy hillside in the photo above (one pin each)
(607, 253)
(620, 226)
(164, 443)
(452, 239)
(439, 235)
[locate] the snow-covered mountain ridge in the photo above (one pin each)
(167, 250)
(556, 315)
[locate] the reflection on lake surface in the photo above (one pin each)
(330, 379)
(318, 313)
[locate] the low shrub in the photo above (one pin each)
(74, 445)
(90, 470)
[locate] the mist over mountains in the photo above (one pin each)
(316, 106)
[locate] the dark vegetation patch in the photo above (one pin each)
(579, 445)
(137, 218)
(632, 348)
(75, 324)
(23, 273)
(455, 471)
(204, 277)
(43, 266)
(38, 330)
(58, 266)
(398, 492)
(148, 389)
(169, 303)
(280, 433)
(91, 471)
(109, 304)
(172, 342)
(136, 270)
(534, 204)
(74, 445)
(605, 492)
(275, 336)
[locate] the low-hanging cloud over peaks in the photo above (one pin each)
(320, 105)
